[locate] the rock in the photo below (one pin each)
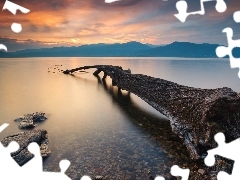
(151, 178)
(201, 171)
(26, 123)
(22, 156)
(39, 117)
(30, 120)
(98, 178)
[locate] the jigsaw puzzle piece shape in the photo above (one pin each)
(221, 6)
(6, 151)
(182, 11)
(5, 125)
(224, 176)
(8, 165)
(12, 7)
(227, 150)
(182, 7)
(210, 158)
(177, 171)
(111, 1)
(86, 178)
(223, 51)
(35, 165)
(235, 172)
(236, 16)
(64, 165)
(159, 178)
(3, 47)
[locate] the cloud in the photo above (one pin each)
(16, 44)
(74, 22)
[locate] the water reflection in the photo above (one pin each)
(151, 146)
(156, 128)
(100, 130)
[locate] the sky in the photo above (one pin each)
(76, 22)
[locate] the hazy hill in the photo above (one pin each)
(130, 49)
(183, 49)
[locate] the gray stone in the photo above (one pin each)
(201, 171)
(22, 155)
(30, 120)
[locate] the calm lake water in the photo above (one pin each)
(103, 132)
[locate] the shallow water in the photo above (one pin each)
(101, 131)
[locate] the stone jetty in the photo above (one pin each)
(195, 114)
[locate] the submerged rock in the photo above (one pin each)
(28, 123)
(30, 120)
(22, 156)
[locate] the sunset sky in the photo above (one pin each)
(76, 22)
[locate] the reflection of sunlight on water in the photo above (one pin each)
(99, 130)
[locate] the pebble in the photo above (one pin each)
(98, 178)
(201, 171)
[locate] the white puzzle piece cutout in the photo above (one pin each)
(8, 165)
(227, 150)
(86, 178)
(111, 1)
(5, 125)
(64, 165)
(182, 9)
(236, 16)
(9, 169)
(159, 178)
(34, 169)
(12, 7)
(177, 171)
(16, 27)
(35, 165)
(2, 46)
(223, 51)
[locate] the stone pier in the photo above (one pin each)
(195, 114)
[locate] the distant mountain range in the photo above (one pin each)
(130, 49)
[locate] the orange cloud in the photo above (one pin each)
(92, 21)
(44, 18)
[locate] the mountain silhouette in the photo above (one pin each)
(129, 49)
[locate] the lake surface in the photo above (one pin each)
(101, 131)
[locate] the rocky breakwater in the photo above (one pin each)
(195, 114)
(22, 155)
